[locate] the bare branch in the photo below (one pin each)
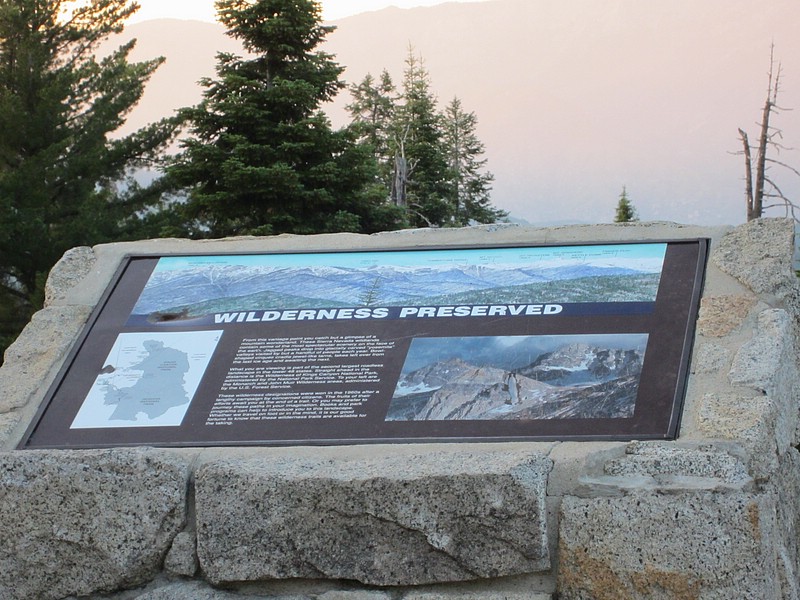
(758, 185)
(789, 206)
(14, 291)
(420, 215)
(784, 165)
(777, 85)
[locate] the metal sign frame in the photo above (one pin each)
(587, 341)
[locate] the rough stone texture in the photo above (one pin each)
(785, 485)
(182, 556)
(710, 358)
(670, 464)
(720, 315)
(195, 590)
(664, 467)
(760, 254)
(73, 267)
(8, 421)
(81, 522)
(354, 595)
(762, 365)
(572, 461)
(757, 364)
(403, 520)
(749, 419)
(43, 344)
(706, 546)
(712, 518)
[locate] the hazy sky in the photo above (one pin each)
(204, 9)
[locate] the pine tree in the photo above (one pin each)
(263, 158)
(469, 183)
(64, 181)
(429, 163)
(626, 212)
(372, 113)
(420, 179)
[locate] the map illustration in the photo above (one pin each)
(148, 380)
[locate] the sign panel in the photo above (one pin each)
(489, 343)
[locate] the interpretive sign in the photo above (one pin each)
(489, 343)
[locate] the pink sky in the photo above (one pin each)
(203, 10)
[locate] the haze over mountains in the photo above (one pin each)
(574, 99)
(201, 290)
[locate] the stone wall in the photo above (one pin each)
(709, 516)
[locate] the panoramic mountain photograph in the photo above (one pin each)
(199, 286)
(520, 378)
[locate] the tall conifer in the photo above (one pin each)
(469, 183)
(64, 180)
(372, 111)
(421, 184)
(263, 158)
(431, 163)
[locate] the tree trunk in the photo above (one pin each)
(761, 162)
(748, 175)
(400, 181)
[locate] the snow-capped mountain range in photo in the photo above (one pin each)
(318, 286)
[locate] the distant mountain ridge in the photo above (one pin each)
(233, 287)
(575, 381)
(574, 99)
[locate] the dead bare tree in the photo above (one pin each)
(403, 171)
(761, 192)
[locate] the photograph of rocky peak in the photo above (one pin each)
(520, 378)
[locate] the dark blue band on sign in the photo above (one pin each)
(250, 317)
